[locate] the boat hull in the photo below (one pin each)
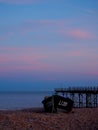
(52, 103)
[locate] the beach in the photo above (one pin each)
(38, 119)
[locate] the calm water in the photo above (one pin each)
(19, 100)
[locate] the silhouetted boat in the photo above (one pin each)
(53, 102)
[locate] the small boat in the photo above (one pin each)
(54, 102)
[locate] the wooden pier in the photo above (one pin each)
(83, 97)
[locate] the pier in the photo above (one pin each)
(83, 97)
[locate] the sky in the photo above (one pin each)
(46, 44)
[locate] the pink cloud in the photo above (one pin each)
(20, 50)
(30, 26)
(76, 53)
(62, 27)
(47, 59)
(26, 67)
(76, 34)
(2, 38)
(6, 36)
(23, 63)
(25, 59)
(80, 34)
(90, 11)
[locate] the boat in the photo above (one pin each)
(55, 102)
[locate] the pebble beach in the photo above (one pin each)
(38, 119)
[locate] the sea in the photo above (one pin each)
(22, 100)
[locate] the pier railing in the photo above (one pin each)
(82, 96)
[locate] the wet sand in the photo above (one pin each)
(37, 119)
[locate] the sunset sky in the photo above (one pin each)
(45, 44)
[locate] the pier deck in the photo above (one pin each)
(82, 96)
